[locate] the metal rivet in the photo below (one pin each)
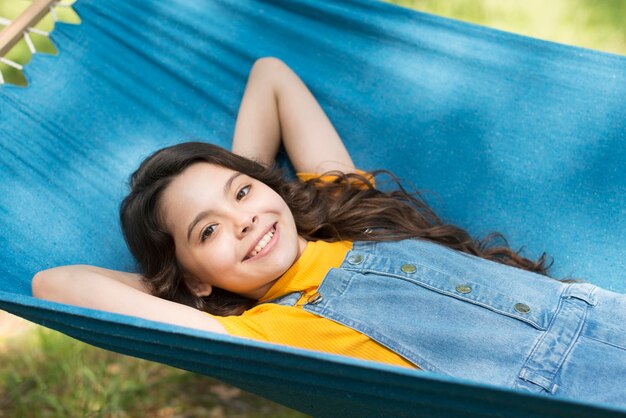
(315, 298)
(355, 259)
(463, 288)
(522, 308)
(408, 268)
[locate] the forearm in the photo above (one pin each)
(277, 106)
(310, 139)
(257, 131)
(117, 292)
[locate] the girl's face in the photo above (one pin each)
(230, 230)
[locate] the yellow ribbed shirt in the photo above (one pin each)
(295, 327)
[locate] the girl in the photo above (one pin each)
(334, 264)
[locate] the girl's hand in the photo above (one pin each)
(116, 291)
(278, 106)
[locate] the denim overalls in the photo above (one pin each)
(464, 316)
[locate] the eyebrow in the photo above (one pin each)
(227, 186)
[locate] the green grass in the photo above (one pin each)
(45, 374)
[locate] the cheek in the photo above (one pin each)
(216, 260)
(205, 263)
(282, 206)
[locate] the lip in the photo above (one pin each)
(270, 245)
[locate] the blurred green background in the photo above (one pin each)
(46, 374)
(595, 24)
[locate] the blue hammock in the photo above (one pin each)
(506, 133)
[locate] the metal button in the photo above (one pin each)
(522, 308)
(315, 298)
(355, 259)
(408, 268)
(463, 288)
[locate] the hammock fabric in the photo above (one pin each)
(506, 133)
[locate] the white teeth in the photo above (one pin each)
(262, 243)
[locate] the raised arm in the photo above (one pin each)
(277, 106)
(116, 291)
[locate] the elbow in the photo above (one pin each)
(39, 284)
(267, 68)
(271, 62)
(46, 284)
(268, 72)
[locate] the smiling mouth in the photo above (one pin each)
(262, 243)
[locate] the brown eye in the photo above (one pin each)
(207, 232)
(243, 192)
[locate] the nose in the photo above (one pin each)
(246, 223)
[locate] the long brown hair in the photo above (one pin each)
(337, 207)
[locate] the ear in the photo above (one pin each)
(199, 288)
